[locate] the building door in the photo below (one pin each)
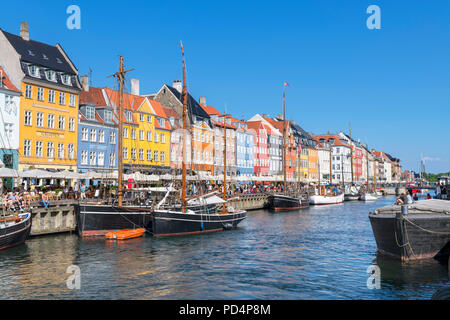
(8, 161)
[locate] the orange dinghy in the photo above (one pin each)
(125, 234)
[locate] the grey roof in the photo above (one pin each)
(193, 106)
(39, 53)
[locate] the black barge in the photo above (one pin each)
(415, 231)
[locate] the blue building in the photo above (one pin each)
(244, 150)
(97, 132)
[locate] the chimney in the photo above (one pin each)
(177, 85)
(280, 116)
(202, 100)
(24, 32)
(293, 121)
(264, 115)
(85, 83)
(135, 87)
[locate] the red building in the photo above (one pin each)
(261, 153)
(357, 163)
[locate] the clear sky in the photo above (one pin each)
(392, 84)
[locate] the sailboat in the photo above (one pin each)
(95, 219)
(283, 202)
(208, 212)
(327, 196)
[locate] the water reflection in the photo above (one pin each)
(319, 253)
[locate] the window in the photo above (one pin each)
(112, 138)
(71, 124)
(61, 150)
(34, 71)
(71, 151)
(50, 150)
(141, 135)
(84, 134)
(84, 157)
(28, 91)
(125, 133)
(155, 157)
(40, 94)
(149, 136)
(61, 122)
(125, 153)
(101, 136)
(8, 130)
(90, 113)
(149, 155)
(28, 118)
(162, 156)
(141, 117)
(156, 136)
(51, 121)
(101, 159)
(133, 134)
(133, 153)
(51, 95)
(92, 158)
(129, 116)
(93, 135)
(65, 78)
(163, 138)
(72, 100)
(112, 159)
(141, 154)
(51, 75)
(39, 119)
(108, 116)
(149, 119)
(39, 147)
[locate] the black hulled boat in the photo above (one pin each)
(14, 230)
(280, 202)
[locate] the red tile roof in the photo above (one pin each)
(337, 141)
(210, 110)
(6, 81)
(94, 95)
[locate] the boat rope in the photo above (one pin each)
(423, 229)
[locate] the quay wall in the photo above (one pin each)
(55, 219)
(249, 201)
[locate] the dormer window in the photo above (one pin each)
(51, 75)
(44, 56)
(172, 121)
(129, 116)
(58, 60)
(31, 53)
(65, 78)
(108, 116)
(34, 71)
(90, 113)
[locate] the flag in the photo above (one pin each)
(286, 84)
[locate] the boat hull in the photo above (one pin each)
(351, 197)
(16, 234)
(98, 220)
(171, 223)
(368, 197)
(400, 239)
(326, 200)
(285, 203)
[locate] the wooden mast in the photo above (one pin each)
(184, 96)
(284, 139)
(224, 162)
(121, 79)
(351, 149)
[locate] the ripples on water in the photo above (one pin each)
(319, 253)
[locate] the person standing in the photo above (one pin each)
(438, 191)
(82, 191)
(444, 193)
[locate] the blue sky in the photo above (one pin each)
(392, 84)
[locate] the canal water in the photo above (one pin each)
(319, 253)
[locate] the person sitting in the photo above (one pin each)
(428, 196)
(45, 202)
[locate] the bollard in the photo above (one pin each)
(405, 210)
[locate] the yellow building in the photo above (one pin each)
(50, 90)
(146, 134)
(313, 164)
(303, 164)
